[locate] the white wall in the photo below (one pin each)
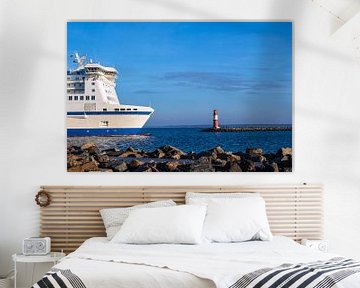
(32, 88)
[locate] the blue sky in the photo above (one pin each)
(184, 70)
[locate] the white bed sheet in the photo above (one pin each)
(101, 274)
(100, 263)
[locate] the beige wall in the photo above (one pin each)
(32, 115)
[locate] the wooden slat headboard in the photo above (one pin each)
(73, 215)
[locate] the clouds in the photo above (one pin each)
(207, 80)
(224, 81)
(145, 92)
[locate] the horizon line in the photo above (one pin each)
(205, 125)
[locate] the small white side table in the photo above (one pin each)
(53, 257)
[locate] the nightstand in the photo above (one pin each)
(320, 245)
(52, 257)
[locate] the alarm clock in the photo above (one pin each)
(36, 246)
(320, 245)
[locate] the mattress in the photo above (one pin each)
(99, 263)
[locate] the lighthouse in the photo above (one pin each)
(216, 120)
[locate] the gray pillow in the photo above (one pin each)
(204, 198)
(113, 218)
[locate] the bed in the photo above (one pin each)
(294, 211)
(99, 263)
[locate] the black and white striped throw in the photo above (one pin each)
(59, 278)
(320, 274)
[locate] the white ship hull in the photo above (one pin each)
(93, 107)
(108, 123)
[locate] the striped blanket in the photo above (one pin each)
(59, 278)
(320, 274)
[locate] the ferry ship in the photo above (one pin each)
(93, 107)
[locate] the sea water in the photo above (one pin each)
(192, 139)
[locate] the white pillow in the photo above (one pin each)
(173, 225)
(113, 218)
(236, 220)
(204, 198)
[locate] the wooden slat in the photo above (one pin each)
(73, 216)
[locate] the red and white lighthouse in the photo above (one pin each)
(216, 120)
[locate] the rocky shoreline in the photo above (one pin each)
(89, 158)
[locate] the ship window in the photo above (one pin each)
(87, 97)
(116, 109)
(92, 97)
(70, 98)
(135, 109)
(76, 98)
(104, 109)
(122, 109)
(93, 90)
(81, 98)
(104, 123)
(128, 109)
(92, 83)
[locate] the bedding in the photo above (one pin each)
(236, 220)
(100, 263)
(173, 225)
(113, 218)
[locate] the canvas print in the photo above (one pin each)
(179, 97)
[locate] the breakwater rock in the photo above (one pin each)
(89, 158)
(246, 129)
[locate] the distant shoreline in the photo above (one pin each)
(89, 158)
(224, 125)
(246, 129)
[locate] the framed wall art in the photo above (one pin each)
(179, 96)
